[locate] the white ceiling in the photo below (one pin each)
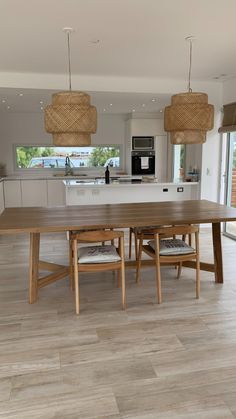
(138, 38)
(33, 100)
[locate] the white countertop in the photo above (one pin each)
(116, 184)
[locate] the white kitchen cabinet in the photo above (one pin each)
(34, 193)
(126, 193)
(56, 193)
(12, 193)
(1, 198)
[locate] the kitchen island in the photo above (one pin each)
(95, 192)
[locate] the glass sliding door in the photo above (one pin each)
(230, 199)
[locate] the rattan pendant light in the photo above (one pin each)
(189, 116)
(70, 119)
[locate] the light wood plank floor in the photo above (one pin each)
(177, 360)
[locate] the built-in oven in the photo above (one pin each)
(143, 162)
(142, 143)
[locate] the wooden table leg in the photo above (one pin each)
(216, 236)
(34, 266)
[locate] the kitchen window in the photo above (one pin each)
(45, 157)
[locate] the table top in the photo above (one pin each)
(37, 219)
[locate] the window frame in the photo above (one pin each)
(173, 161)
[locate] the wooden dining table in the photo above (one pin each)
(37, 220)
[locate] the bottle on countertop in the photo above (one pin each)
(107, 175)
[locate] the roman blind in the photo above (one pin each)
(229, 118)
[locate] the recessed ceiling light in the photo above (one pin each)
(41, 108)
(154, 99)
(133, 110)
(161, 110)
(20, 94)
(104, 110)
(3, 100)
(144, 104)
(220, 76)
(8, 107)
(41, 102)
(110, 104)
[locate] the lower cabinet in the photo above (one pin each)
(56, 193)
(33, 193)
(12, 193)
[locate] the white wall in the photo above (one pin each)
(229, 91)
(211, 151)
(28, 128)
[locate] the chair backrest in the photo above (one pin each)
(96, 236)
(169, 231)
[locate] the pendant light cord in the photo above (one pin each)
(69, 63)
(190, 65)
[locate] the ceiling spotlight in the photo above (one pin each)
(41, 108)
(143, 105)
(8, 107)
(104, 110)
(110, 104)
(154, 99)
(20, 94)
(161, 110)
(133, 110)
(3, 100)
(41, 102)
(220, 76)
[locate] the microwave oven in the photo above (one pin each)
(142, 143)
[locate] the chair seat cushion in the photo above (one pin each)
(98, 254)
(172, 247)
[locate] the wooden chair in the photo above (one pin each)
(71, 254)
(157, 249)
(136, 232)
(98, 258)
(147, 232)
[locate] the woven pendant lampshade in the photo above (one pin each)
(70, 119)
(189, 116)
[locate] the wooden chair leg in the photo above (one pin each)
(197, 267)
(130, 243)
(158, 283)
(76, 278)
(198, 279)
(138, 260)
(158, 271)
(136, 245)
(190, 239)
(123, 274)
(34, 266)
(179, 270)
(71, 270)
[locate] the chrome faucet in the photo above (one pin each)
(68, 168)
